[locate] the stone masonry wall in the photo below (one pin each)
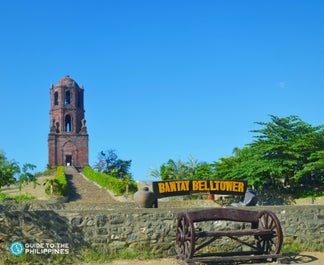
(113, 229)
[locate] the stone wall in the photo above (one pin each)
(114, 227)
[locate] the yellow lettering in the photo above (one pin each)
(185, 185)
(203, 185)
(229, 185)
(161, 187)
(167, 187)
(173, 186)
(195, 185)
(222, 186)
(178, 185)
(240, 187)
(235, 186)
(211, 184)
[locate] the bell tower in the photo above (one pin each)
(68, 137)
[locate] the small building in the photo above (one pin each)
(68, 137)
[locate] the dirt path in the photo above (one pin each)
(306, 258)
(82, 190)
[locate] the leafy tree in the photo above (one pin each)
(192, 169)
(110, 164)
(26, 176)
(285, 152)
(244, 165)
(174, 170)
(204, 171)
(8, 169)
(291, 145)
(52, 185)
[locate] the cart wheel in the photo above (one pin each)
(269, 244)
(185, 237)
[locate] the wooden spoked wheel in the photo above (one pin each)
(269, 244)
(185, 237)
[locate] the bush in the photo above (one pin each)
(61, 178)
(24, 197)
(118, 186)
(59, 183)
(3, 196)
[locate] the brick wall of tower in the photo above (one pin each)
(67, 146)
(61, 145)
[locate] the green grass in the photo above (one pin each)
(291, 246)
(89, 255)
(22, 197)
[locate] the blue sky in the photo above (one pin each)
(163, 79)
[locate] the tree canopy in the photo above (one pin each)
(286, 152)
(110, 164)
(9, 170)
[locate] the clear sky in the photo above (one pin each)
(163, 79)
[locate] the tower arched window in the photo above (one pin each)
(68, 123)
(67, 99)
(56, 98)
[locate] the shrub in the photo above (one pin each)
(3, 196)
(24, 197)
(61, 178)
(59, 183)
(118, 186)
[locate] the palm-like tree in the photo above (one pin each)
(53, 185)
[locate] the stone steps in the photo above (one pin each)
(82, 190)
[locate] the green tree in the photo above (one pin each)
(181, 170)
(285, 152)
(8, 170)
(244, 165)
(26, 175)
(110, 164)
(294, 148)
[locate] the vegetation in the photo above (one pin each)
(8, 170)
(192, 169)
(118, 186)
(110, 164)
(23, 197)
(58, 184)
(287, 156)
(91, 255)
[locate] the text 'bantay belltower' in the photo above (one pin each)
(68, 137)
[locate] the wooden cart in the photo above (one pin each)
(263, 226)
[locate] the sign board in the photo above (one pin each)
(185, 187)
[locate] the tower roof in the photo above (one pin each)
(67, 81)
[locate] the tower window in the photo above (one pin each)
(56, 98)
(67, 98)
(68, 123)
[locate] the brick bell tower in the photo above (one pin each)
(68, 137)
